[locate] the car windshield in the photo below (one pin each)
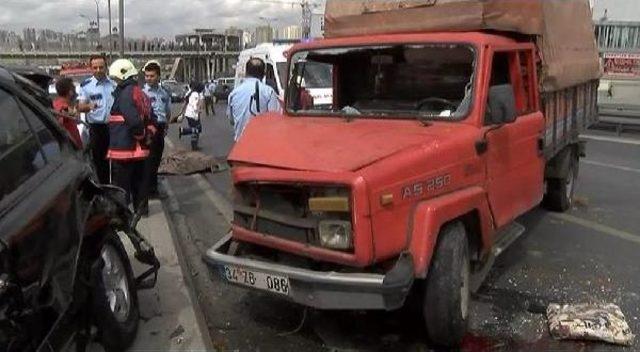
(424, 80)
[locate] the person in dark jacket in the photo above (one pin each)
(130, 133)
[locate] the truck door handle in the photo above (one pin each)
(482, 146)
(540, 145)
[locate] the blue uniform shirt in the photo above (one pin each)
(160, 102)
(99, 92)
(242, 105)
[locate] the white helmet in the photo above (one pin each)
(122, 69)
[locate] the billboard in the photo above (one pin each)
(621, 65)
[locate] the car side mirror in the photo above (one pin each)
(502, 105)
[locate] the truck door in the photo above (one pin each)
(515, 164)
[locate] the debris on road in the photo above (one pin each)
(183, 162)
(595, 322)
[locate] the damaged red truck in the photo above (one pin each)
(442, 131)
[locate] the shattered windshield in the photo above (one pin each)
(425, 80)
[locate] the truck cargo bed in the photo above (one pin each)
(568, 112)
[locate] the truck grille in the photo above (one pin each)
(282, 210)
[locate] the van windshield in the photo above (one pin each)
(423, 80)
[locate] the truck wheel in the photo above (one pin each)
(559, 196)
(446, 300)
(115, 303)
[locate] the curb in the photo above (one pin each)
(177, 225)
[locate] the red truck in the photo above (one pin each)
(435, 142)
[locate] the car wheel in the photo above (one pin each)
(447, 294)
(560, 191)
(116, 310)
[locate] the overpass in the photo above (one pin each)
(188, 64)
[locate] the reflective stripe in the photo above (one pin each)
(136, 154)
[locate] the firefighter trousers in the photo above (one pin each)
(132, 176)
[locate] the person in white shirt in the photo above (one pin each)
(192, 111)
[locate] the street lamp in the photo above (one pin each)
(98, 17)
(121, 29)
(110, 32)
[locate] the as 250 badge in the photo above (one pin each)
(418, 189)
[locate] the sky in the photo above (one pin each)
(150, 18)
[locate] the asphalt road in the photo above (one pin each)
(589, 254)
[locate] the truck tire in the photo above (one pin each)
(559, 195)
(115, 297)
(446, 299)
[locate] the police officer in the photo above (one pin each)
(161, 105)
(130, 131)
(251, 98)
(95, 99)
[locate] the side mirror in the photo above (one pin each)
(502, 105)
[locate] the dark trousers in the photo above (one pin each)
(155, 156)
(194, 129)
(131, 176)
(99, 144)
(208, 105)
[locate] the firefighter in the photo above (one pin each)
(131, 131)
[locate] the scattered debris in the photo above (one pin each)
(604, 322)
(183, 162)
(179, 330)
(580, 201)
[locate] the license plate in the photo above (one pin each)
(256, 279)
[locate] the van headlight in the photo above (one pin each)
(335, 234)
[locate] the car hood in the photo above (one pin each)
(326, 144)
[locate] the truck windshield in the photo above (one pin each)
(392, 81)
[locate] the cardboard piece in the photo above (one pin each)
(562, 29)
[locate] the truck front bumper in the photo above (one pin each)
(326, 289)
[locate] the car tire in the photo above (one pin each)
(560, 191)
(447, 295)
(115, 298)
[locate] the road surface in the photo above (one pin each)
(589, 254)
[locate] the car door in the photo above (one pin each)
(40, 205)
(515, 164)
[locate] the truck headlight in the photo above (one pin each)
(335, 234)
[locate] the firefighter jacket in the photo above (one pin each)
(131, 124)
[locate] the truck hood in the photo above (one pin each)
(326, 144)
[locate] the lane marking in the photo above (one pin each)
(611, 139)
(219, 201)
(168, 142)
(611, 166)
(603, 229)
(224, 206)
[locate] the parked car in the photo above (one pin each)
(63, 268)
(176, 90)
(224, 86)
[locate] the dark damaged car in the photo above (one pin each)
(65, 277)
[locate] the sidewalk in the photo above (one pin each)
(168, 321)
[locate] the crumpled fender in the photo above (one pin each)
(429, 216)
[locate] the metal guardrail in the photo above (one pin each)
(131, 54)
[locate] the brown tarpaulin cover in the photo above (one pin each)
(563, 29)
